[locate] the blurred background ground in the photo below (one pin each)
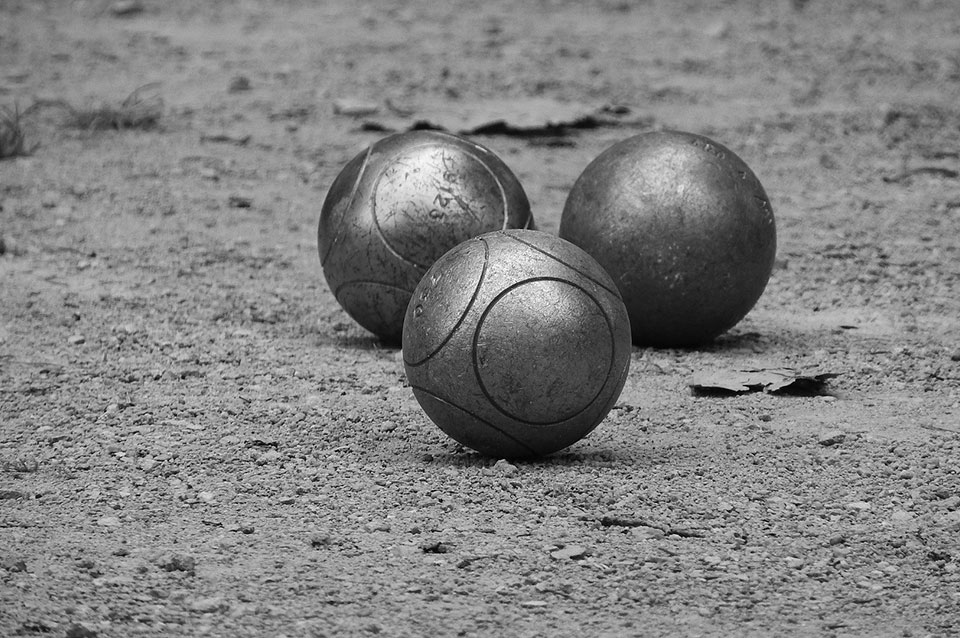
(196, 440)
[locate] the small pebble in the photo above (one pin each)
(76, 340)
(569, 552)
(951, 503)
(901, 516)
(239, 83)
(40, 625)
(123, 8)
(177, 563)
(79, 189)
(108, 521)
(642, 532)
(50, 199)
(208, 605)
(388, 426)
(718, 30)
(320, 539)
(268, 457)
(13, 565)
(79, 630)
(355, 108)
(120, 580)
(377, 526)
(833, 437)
(505, 468)
(239, 201)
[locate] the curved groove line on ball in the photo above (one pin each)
(376, 221)
(503, 194)
(353, 193)
(466, 311)
(476, 336)
(496, 180)
(613, 291)
(480, 419)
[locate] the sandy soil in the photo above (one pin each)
(196, 440)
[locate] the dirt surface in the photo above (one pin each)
(196, 440)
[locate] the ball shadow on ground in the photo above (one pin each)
(353, 338)
(583, 453)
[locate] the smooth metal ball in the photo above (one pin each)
(516, 343)
(684, 228)
(397, 207)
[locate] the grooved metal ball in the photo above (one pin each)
(685, 229)
(516, 343)
(398, 206)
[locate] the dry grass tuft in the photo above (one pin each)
(13, 140)
(141, 109)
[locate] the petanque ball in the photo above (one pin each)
(516, 343)
(398, 206)
(685, 229)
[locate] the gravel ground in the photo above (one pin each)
(196, 440)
